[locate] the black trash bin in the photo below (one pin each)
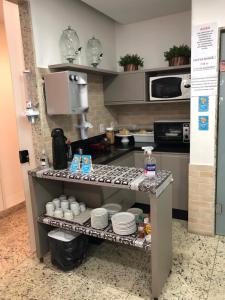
(68, 250)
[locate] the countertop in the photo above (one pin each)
(118, 151)
(111, 176)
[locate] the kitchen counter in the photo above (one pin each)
(111, 176)
(117, 151)
(46, 184)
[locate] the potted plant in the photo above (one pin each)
(130, 62)
(177, 56)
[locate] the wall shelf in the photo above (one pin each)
(81, 68)
(146, 102)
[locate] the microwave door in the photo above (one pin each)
(173, 133)
(166, 88)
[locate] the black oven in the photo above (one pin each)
(175, 132)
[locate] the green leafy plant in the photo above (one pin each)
(133, 59)
(182, 50)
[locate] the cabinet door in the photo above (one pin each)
(126, 87)
(126, 160)
(178, 164)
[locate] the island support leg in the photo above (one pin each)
(161, 248)
(42, 191)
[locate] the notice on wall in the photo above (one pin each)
(204, 79)
(204, 85)
(203, 103)
(203, 123)
(204, 50)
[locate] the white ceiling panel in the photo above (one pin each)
(131, 11)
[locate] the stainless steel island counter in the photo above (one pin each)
(46, 184)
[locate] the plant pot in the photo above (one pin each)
(130, 67)
(179, 61)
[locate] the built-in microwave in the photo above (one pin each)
(172, 132)
(170, 87)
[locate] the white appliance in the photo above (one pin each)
(170, 87)
(66, 93)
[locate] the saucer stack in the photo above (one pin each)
(123, 223)
(99, 218)
(112, 208)
(136, 212)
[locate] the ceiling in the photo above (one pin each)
(131, 11)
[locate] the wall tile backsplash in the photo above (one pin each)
(97, 113)
(146, 114)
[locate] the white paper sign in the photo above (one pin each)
(204, 86)
(204, 50)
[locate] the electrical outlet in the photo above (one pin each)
(101, 128)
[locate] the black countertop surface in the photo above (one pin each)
(115, 151)
(118, 151)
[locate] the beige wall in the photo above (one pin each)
(146, 114)
(56, 15)
(202, 186)
(151, 38)
(11, 186)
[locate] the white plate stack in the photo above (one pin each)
(99, 218)
(123, 223)
(112, 208)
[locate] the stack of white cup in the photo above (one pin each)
(65, 207)
(50, 208)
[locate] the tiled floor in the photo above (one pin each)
(111, 272)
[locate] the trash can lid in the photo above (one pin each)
(62, 235)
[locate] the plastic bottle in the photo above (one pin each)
(147, 225)
(44, 160)
(110, 135)
(150, 162)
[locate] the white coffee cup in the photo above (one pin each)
(58, 213)
(50, 207)
(74, 205)
(68, 215)
(64, 204)
(76, 212)
(56, 203)
(50, 213)
(62, 197)
(82, 206)
(71, 199)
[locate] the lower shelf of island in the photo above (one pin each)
(105, 234)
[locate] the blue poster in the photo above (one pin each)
(203, 103)
(203, 123)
